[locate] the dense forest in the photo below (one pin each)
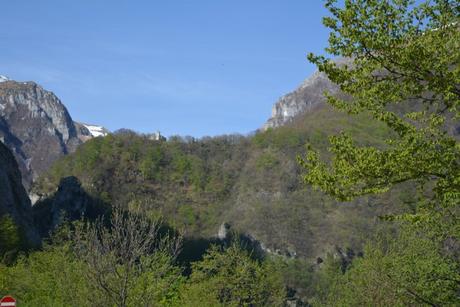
(252, 183)
(354, 203)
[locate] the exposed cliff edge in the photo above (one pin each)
(14, 201)
(306, 97)
(37, 127)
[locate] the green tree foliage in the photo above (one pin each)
(231, 278)
(402, 54)
(78, 269)
(129, 272)
(402, 69)
(127, 168)
(10, 237)
(251, 182)
(130, 262)
(152, 162)
(52, 277)
(406, 271)
(267, 161)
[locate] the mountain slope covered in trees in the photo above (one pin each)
(383, 230)
(252, 183)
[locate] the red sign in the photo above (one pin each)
(7, 301)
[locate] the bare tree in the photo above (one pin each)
(116, 254)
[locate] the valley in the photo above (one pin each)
(348, 195)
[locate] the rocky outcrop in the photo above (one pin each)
(223, 232)
(14, 201)
(309, 95)
(37, 127)
(83, 133)
(88, 131)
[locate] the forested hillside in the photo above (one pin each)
(253, 183)
(353, 203)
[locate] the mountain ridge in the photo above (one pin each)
(306, 97)
(37, 127)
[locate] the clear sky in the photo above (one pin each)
(201, 67)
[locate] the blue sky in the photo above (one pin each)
(182, 67)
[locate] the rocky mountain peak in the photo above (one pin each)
(18, 97)
(37, 127)
(96, 130)
(4, 78)
(306, 97)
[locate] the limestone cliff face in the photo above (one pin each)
(14, 201)
(37, 127)
(305, 98)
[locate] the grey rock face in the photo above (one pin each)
(309, 95)
(223, 232)
(306, 97)
(14, 201)
(83, 133)
(37, 127)
(94, 130)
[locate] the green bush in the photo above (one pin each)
(11, 240)
(231, 278)
(408, 270)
